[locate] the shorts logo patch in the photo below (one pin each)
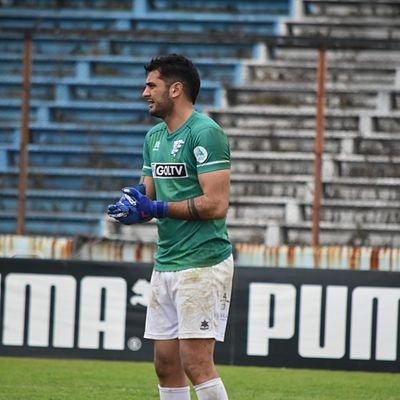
(204, 326)
(200, 153)
(169, 170)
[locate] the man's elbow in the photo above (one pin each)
(217, 211)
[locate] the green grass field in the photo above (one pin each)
(51, 379)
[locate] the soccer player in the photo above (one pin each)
(185, 185)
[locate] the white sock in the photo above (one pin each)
(178, 393)
(211, 390)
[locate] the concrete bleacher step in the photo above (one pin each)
(235, 7)
(368, 57)
(69, 178)
(351, 8)
(271, 162)
(239, 230)
(357, 211)
(128, 136)
(9, 134)
(356, 28)
(301, 187)
(232, 6)
(224, 70)
(352, 165)
(272, 185)
(155, 6)
(141, 233)
(78, 156)
(62, 201)
(141, 45)
(252, 216)
(108, 90)
(158, 15)
(336, 72)
(11, 64)
(362, 188)
(332, 210)
(86, 68)
(386, 123)
(335, 142)
(55, 223)
(283, 140)
(257, 231)
(337, 96)
(82, 5)
(275, 117)
(378, 143)
(361, 165)
(380, 235)
(203, 22)
(258, 207)
(119, 113)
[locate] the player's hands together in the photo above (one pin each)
(135, 207)
(146, 207)
(125, 210)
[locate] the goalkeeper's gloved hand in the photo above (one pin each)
(146, 207)
(125, 211)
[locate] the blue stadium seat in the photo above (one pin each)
(211, 16)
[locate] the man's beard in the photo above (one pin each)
(163, 108)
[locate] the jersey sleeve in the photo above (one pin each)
(211, 150)
(146, 169)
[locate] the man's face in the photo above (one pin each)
(157, 95)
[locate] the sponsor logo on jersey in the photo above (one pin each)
(176, 146)
(200, 153)
(169, 170)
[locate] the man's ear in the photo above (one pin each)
(176, 89)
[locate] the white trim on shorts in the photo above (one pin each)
(190, 304)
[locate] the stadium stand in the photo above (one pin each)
(87, 122)
(85, 94)
(358, 18)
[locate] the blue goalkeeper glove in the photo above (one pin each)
(146, 207)
(125, 210)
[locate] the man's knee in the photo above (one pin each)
(168, 365)
(197, 360)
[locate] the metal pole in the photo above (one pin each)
(24, 136)
(318, 147)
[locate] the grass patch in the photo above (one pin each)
(55, 379)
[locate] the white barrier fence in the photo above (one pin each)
(246, 254)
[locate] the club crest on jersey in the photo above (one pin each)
(176, 146)
(200, 153)
(169, 170)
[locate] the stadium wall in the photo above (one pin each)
(279, 317)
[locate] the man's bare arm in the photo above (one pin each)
(212, 204)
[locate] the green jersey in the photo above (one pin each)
(175, 160)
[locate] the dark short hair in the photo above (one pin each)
(175, 67)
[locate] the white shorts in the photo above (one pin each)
(190, 304)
